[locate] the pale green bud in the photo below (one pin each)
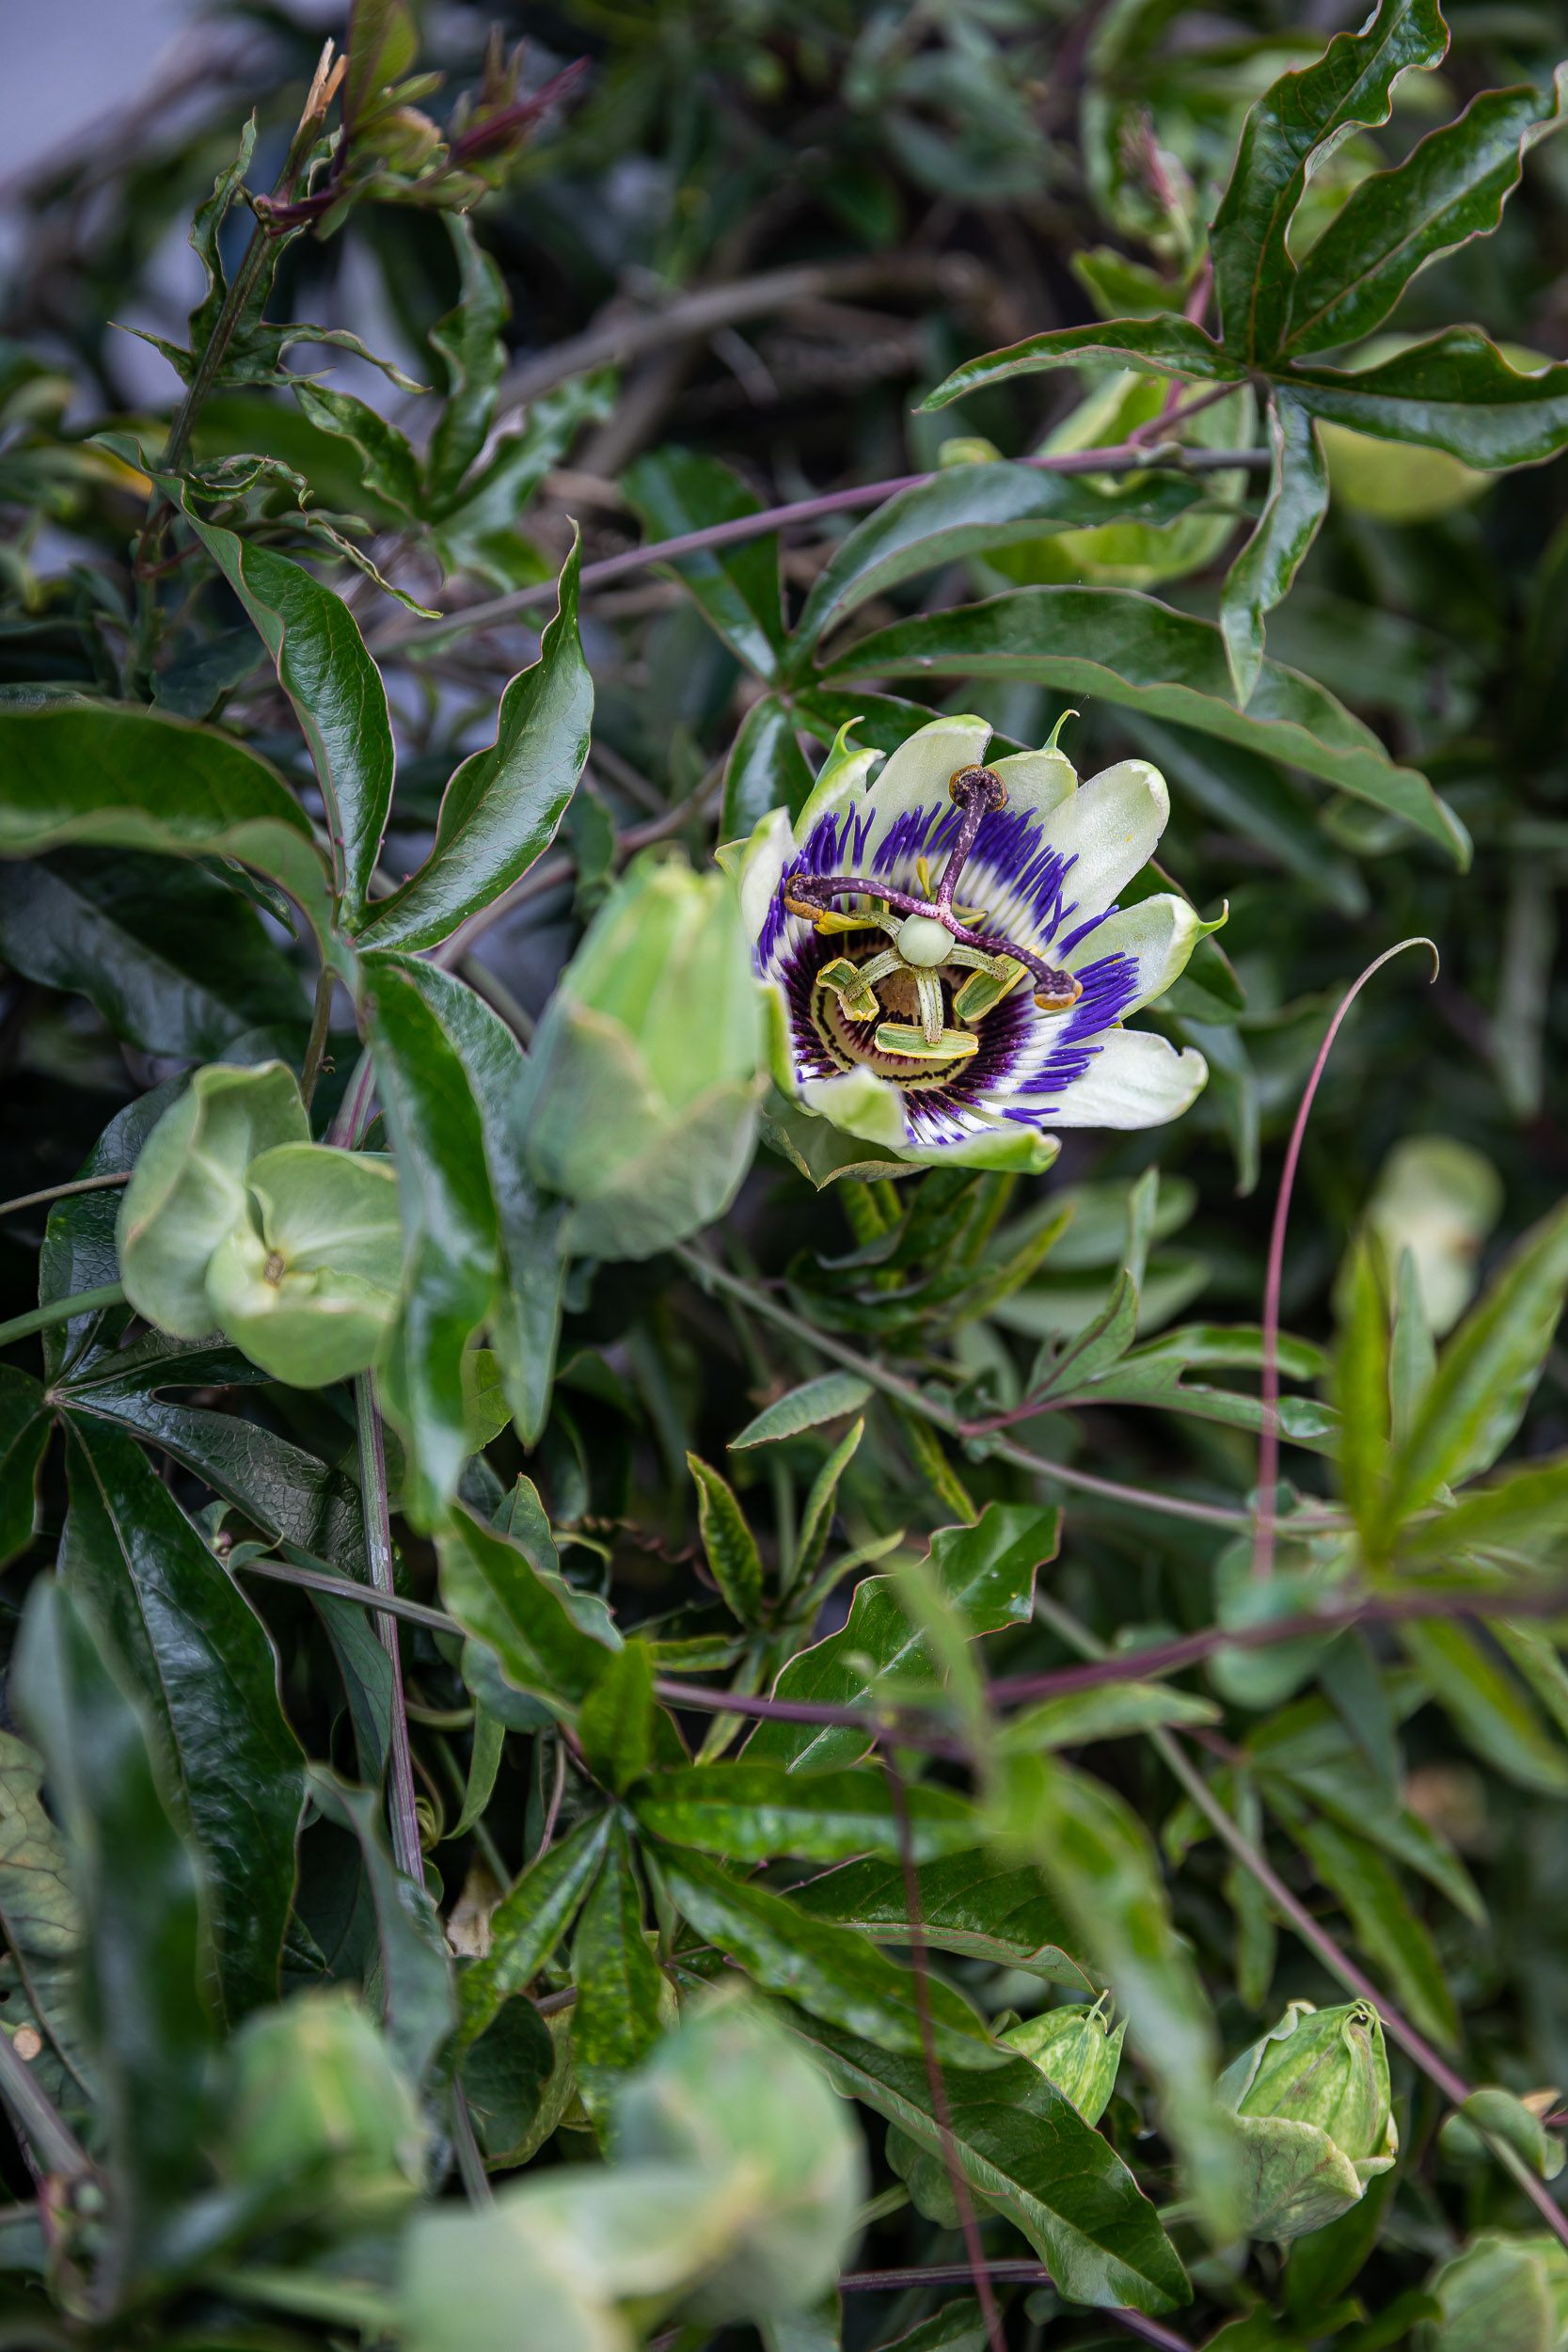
(187, 1192)
(1077, 2048)
(731, 2095)
(307, 1283)
(967, 448)
(639, 1101)
(317, 2103)
(1315, 2116)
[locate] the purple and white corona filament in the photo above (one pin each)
(947, 956)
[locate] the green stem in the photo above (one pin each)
(407, 1850)
(711, 1275)
(62, 1192)
(61, 1311)
(316, 1045)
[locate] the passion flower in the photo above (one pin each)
(952, 964)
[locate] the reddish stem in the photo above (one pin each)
(1268, 1438)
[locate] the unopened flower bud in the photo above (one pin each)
(1077, 2048)
(316, 2106)
(307, 1283)
(640, 1103)
(1314, 2110)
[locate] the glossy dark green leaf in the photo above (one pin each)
(38, 1893)
(986, 1571)
(1166, 345)
(207, 1678)
(1099, 1863)
(525, 1615)
(517, 2080)
(964, 511)
(1393, 1936)
(830, 1970)
(530, 1921)
(477, 530)
(167, 955)
(1115, 645)
(968, 1904)
(503, 804)
(1250, 797)
(448, 1225)
(1455, 392)
(1351, 85)
(1295, 504)
(335, 687)
(622, 1994)
(1361, 1384)
(728, 1543)
(766, 768)
(677, 490)
(749, 1812)
(1515, 1513)
(126, 778)
(1449, 188)
(525, 1313)
(384, 453)
(816, 1519)
(1027, 2150)
(1486, 1371)
(143, 1994)
(24, 1441)
(79, 1250)
(417, 1994)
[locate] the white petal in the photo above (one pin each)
(1159, 934)
(840, 780)
(863, 1104)
(918, 774)
(1110, 827)
(1135, 1080)
(758, 865)
(1008, 1151)
(1037, 780)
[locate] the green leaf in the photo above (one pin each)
(168, 956)
(525, 1615)
(390, 466)
(1027, 2150)
(204, 1670)
(1097, 1860)
(143, 1994)
(969, 1904)
(615, 1724)
(1080, 1717)
(133, 779)
(23, 1442)
(1350, 85)
(449, 1227)
(1485, 1373)
(986, 1571)
(829, 1970)
(1499, 2115)
(826, 1398)
(478, 530)
(530, 1921)
(621, 1990)
(1450, 188)
(1487, 1709)
(1260, 577)
(503, 804)
(525, 1313)
(749, 1812)
(1361, 1384)
(470, 342)
(1167, 346)
(37, 1897)
(728, 1544)
(1251, 798)
(1394, 1938)
(417, 1990)
(1113, 645)
(382, 45)
(335, 687)
(966, 511)
(80, 1248)
(818, 1518)
(677, 490)
(766, 768)
(1454, 392)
